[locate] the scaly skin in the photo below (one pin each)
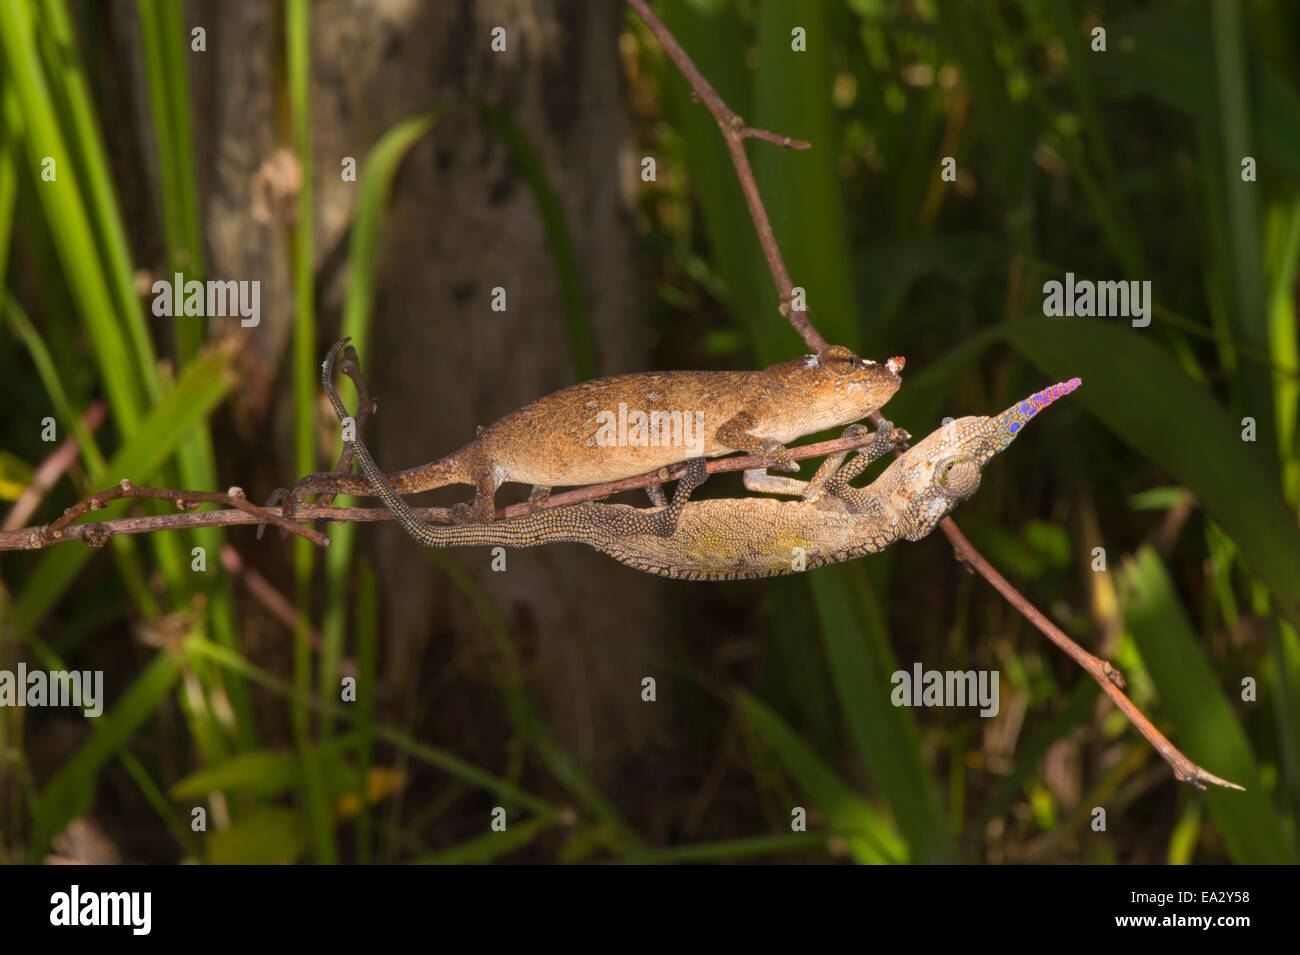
(740, 538)
(558, 440)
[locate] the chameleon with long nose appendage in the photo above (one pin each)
(740, 538)
(614, 428)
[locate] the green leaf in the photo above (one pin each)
(1205, 727)
(1137, 390)
(861, 663)
(268, 836)
(801, 189)
(15, 475)
(716, 39)
(261, 773)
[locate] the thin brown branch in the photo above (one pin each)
(1106, 675)
(96, 533)
(734, 132)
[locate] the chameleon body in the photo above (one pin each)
(613, 428)
(740, 538)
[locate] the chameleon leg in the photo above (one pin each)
(538, 496)
(656, 492)
(734, 433)
(697, 472)
(662, 522)
(886, 439)
(828, 469)
(485, 489)
(759, 481)
(424, 477)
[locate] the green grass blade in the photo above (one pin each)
(1249, 316)
(433, 756)
(262, 773)
(491, 845)
(8, 188)
(164, 44)
(157, 800)
(305, 383)
(65, 211)
(1205, 726)
(367, 630)
(1177, 424)
(201, 387)
(801, 190)
(860, 661)
(716, 39)
(53, 382)
(100, 185)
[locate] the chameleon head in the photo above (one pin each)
(939, 472)
(841, 387)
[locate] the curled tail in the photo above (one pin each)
(545, 527)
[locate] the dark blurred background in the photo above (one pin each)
(214, 139)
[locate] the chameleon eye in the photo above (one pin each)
(840, 360)
(959, 477)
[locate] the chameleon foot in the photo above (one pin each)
(480, 512)
(779, 455)
(697, 472)
(538, 497)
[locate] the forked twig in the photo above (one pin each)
(98, 533)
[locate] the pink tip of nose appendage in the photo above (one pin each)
(1037, 402)
(1014, 418)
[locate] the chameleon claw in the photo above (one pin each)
(779, 455)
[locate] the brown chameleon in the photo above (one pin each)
(618, 427)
